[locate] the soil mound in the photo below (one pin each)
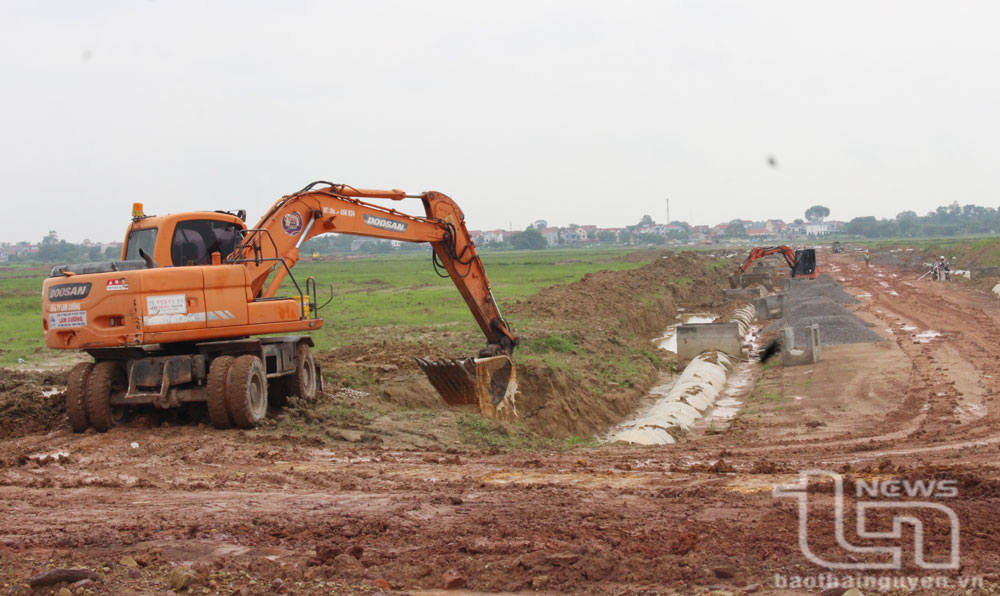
(31, 402)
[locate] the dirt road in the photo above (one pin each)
(259, 513)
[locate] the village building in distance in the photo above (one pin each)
(673, 233)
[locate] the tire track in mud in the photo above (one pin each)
(905, 309)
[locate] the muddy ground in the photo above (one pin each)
(350, 496)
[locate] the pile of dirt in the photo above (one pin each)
(824, 286)
(385, 355)
(31, 401)
(640, 300)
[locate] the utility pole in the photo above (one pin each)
(668, 211)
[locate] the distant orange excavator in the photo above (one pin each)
(801, 262)
(177, 319)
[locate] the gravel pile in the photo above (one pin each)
(822, 286)
(809, 302)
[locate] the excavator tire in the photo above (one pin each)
(246, 391)
(107, 377)
(302, 382)
(218, 374)
(76, 391)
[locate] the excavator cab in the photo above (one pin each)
(805, 263)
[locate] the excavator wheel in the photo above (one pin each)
(76, 391)
(303, 382)
(218, 375)
(246, 391)
(107, 378)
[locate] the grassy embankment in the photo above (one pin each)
(387, 296)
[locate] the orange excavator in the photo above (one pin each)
(801, 262)
(178, 319)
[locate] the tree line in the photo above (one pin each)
(947, 220)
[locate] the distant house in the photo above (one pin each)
(494, 236)
(758, 233)
(574, 235)
(616, 231)
(818, 228)
(658, 229)
(551, 235)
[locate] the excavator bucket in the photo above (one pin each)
(489, 383)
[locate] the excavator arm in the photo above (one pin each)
(759, 252)
(801, 263)
(271, 249)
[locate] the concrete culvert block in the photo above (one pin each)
(770, 307)
(696, 338)
(750, 280)
(809, 353)
(743, 293)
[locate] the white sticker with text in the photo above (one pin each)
(169, 304)
(63, 320)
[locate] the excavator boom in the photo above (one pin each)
(488, 380)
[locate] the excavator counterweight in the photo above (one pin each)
(178, 318)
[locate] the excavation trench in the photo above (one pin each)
(700, 396)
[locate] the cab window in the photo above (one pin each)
(195, 240)
(144, 239)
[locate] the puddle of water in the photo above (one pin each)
(669, 339)
(926, 337)
(612, 479)
(725, 409)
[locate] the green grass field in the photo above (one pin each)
(21, 312)
(375, 297)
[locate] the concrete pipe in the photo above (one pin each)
(695, 390)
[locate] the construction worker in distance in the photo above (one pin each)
(868, 258)
(943, 269)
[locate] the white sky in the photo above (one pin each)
(573, 112)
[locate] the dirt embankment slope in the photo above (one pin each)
(587, 356)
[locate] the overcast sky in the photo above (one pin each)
(573, 112)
